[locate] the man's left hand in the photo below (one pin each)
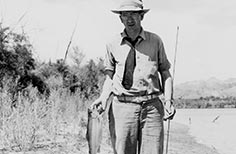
(169, 110)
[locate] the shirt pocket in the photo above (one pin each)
(145, 67)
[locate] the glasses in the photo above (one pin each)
(126, 15)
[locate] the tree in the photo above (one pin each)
(17, 63)
(15, 54)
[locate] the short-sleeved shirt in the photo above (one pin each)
(150, 59)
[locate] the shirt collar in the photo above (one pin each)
(124, 35)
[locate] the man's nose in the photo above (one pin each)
(130, 18)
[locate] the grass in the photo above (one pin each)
(54, 125)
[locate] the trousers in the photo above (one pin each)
(137, 129)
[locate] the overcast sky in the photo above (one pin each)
(207, 35)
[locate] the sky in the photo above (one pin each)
(206, 37)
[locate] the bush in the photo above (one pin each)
(37, 121)
(15, 53)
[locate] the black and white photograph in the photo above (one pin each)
(117, 77)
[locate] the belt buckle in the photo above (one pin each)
(139, 99)
(152, 96)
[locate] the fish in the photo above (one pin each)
(94, 130)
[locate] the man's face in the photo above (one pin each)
(131, 19)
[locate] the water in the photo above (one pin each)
(212, 127)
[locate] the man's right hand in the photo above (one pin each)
(98, 104)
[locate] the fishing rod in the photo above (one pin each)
(173, 74)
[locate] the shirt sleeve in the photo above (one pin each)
(163, 63)
(109, 59)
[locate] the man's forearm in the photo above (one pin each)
(168, 89)
(107, 88)
(167, 85)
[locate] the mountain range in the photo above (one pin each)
(206, 88)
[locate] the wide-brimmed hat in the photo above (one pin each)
(130, 5)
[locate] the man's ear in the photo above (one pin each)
(142, 16)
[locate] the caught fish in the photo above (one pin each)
(94, 130)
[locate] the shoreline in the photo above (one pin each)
(180, 141)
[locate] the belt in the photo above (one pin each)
(137, 99)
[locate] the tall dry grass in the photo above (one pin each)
(37, 122)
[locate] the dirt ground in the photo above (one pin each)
(70, 142)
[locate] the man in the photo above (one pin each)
(137, 73)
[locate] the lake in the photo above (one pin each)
(212, 127)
